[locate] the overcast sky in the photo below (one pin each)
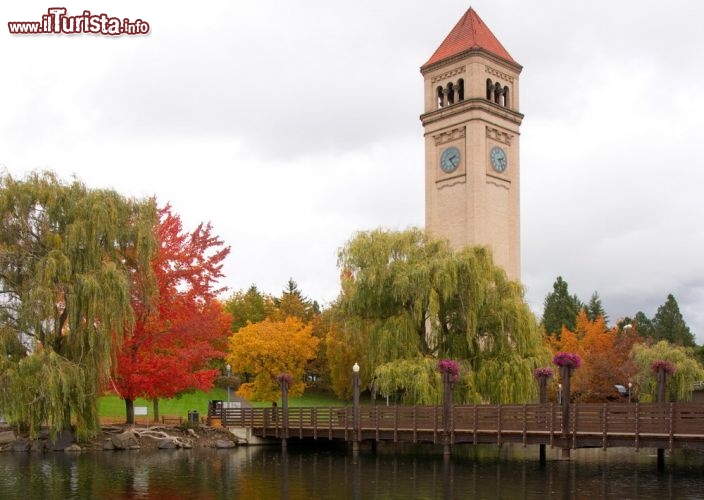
(292, 125)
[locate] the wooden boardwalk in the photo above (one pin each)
(633, 425)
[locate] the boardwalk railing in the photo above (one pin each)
(667, 425)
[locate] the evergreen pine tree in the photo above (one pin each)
(560, 308)
(251, 306)
(644, 325)
(294, 303)
(595, 309)
(668, 324)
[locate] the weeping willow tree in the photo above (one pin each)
(680, 384)
(68, 255)
(419, 302)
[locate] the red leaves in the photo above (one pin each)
(185, 326)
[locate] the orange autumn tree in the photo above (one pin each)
(266, 349)
(606, 357)
(177, 334)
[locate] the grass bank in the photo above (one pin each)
(111, 406)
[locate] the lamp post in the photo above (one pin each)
(229, 370)
(355, 408)
(627, 329)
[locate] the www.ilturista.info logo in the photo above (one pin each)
(56, 22)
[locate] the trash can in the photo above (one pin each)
(193, 417)
(214, 412)
(214, 407)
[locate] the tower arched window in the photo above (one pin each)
(460, 89)
(440, 97)
(489, 89)
(507, 103)
(497, 93)
(450, 93)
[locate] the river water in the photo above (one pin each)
(303, 472)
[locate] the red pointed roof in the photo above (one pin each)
(469, 33)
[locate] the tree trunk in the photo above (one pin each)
(129, 410)
(155, 402)
(67, 417)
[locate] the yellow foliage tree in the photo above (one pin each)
(267, 349)
(345, 344)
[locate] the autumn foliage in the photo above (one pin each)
(178, 333)
(266, 349)
(605, 355)
(344, 347)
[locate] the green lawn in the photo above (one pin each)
(112, 406)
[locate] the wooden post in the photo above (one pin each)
(543, 388)
(661, 377)
(284, 410)
(543, 391)
(565, 374)
(446, 412)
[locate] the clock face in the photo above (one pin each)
(498, 159)
(450, 159)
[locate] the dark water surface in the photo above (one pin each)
(319, 473)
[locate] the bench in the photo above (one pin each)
(171, 419)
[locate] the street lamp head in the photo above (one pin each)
(228, 368)
(355, 368)
(627, 328)
(630, 384)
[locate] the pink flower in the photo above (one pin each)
(568, 359)
(451, 367)
(284, 377)
(543, 372)
(666, 366)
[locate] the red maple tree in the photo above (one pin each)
(177, 333)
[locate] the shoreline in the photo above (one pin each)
(121, 437)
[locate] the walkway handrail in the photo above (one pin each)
(599, 423)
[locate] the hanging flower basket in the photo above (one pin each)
(666, 366)
(284, 377)
(451, 367)
(543, 372)
(568, 359)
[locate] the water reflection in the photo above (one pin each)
(303, 473)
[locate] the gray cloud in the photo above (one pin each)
(292, 126)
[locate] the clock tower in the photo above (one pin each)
(471, 123)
